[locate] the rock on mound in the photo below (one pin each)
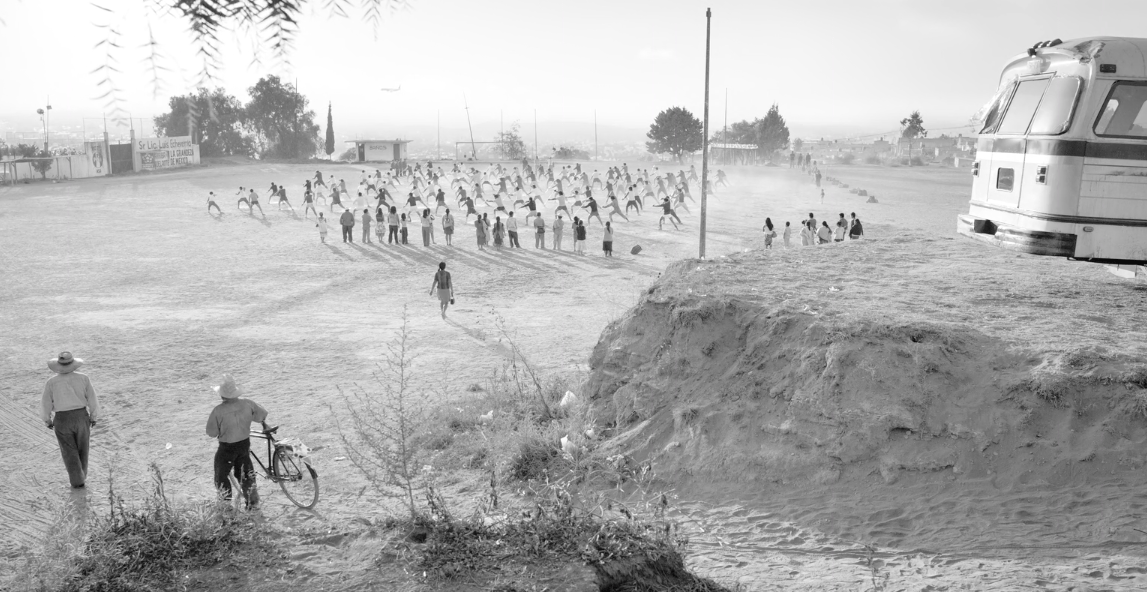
(721, 389)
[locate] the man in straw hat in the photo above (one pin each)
(230, 423)
(70, 396)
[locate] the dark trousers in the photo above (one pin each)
(540, 240)
(348, 235)
(404, 235)
(72, 432)
(514, 239)
(392, 236)
(235, 458)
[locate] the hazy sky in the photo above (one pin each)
(843, 66)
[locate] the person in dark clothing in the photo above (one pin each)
(347, 222)
(230, 423)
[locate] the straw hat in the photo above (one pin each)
(64, 363)
(228, 390)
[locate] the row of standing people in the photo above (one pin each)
(811, 234)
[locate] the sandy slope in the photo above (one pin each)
(161, 298)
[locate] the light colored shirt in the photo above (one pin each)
(512, 224)
(65, 392)
(231, 420)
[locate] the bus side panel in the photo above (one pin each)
(1059, 191)
(1114, 189)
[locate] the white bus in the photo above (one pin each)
(1061, 158)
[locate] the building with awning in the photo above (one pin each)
(380, 150)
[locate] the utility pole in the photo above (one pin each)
(595, 134)
(473, 152)
(439, 141)
(501, 135)
(535, 136)
(705, 139)
(725, 131)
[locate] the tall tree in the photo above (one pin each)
(213, 119)
(675, 131)
(279, 120)
(798, 144)
(772, 132)
(330, 144)
(513, 147)
(913, 126)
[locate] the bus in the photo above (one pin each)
(1061, 155)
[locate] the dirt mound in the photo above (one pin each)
(718, 389)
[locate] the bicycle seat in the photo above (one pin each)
(271, 430)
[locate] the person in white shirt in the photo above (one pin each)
(70, 408)
(559, 226)
(512, 230)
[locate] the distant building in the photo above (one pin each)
(381, 150)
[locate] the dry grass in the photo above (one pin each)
(145, 546)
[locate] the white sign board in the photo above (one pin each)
(164, 153)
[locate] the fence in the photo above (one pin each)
(74, 166)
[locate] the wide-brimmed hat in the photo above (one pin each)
(64, 363)
(228, 390)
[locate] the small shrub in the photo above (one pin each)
(1139, 404)
(532, 460)
(846, 158)
(872, 159)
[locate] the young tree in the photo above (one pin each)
(213, 119)
(913, 126)
(43, 163)
(798, 144)
(382, 443)
(330, 145)
(675, 131)
(279, 120)
(513, 147)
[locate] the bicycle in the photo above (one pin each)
(288, 466)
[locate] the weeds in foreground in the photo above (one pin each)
(141, 546)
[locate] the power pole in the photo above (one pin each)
(705, 140)
(439, 145)
(473, 152)
(725, 130)
(535, 136)
(595, 134)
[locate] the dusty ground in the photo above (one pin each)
(160, 298)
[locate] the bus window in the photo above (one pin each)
(1123, 114)
(1019, 114)
(1053, 116)
(990, 114)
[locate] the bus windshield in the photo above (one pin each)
(1019, 115)
(1053, 117)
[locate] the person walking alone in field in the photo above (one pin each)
(230, 423)
(448, 228)
(366, 225)
(322, 226)
(70, 408)
(444, 284)
(787, 234)
(211, 203)
(347, 222)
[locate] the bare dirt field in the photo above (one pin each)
(161, 298)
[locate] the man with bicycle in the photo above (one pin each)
(230, 423)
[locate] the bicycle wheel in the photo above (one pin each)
(297, 479)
